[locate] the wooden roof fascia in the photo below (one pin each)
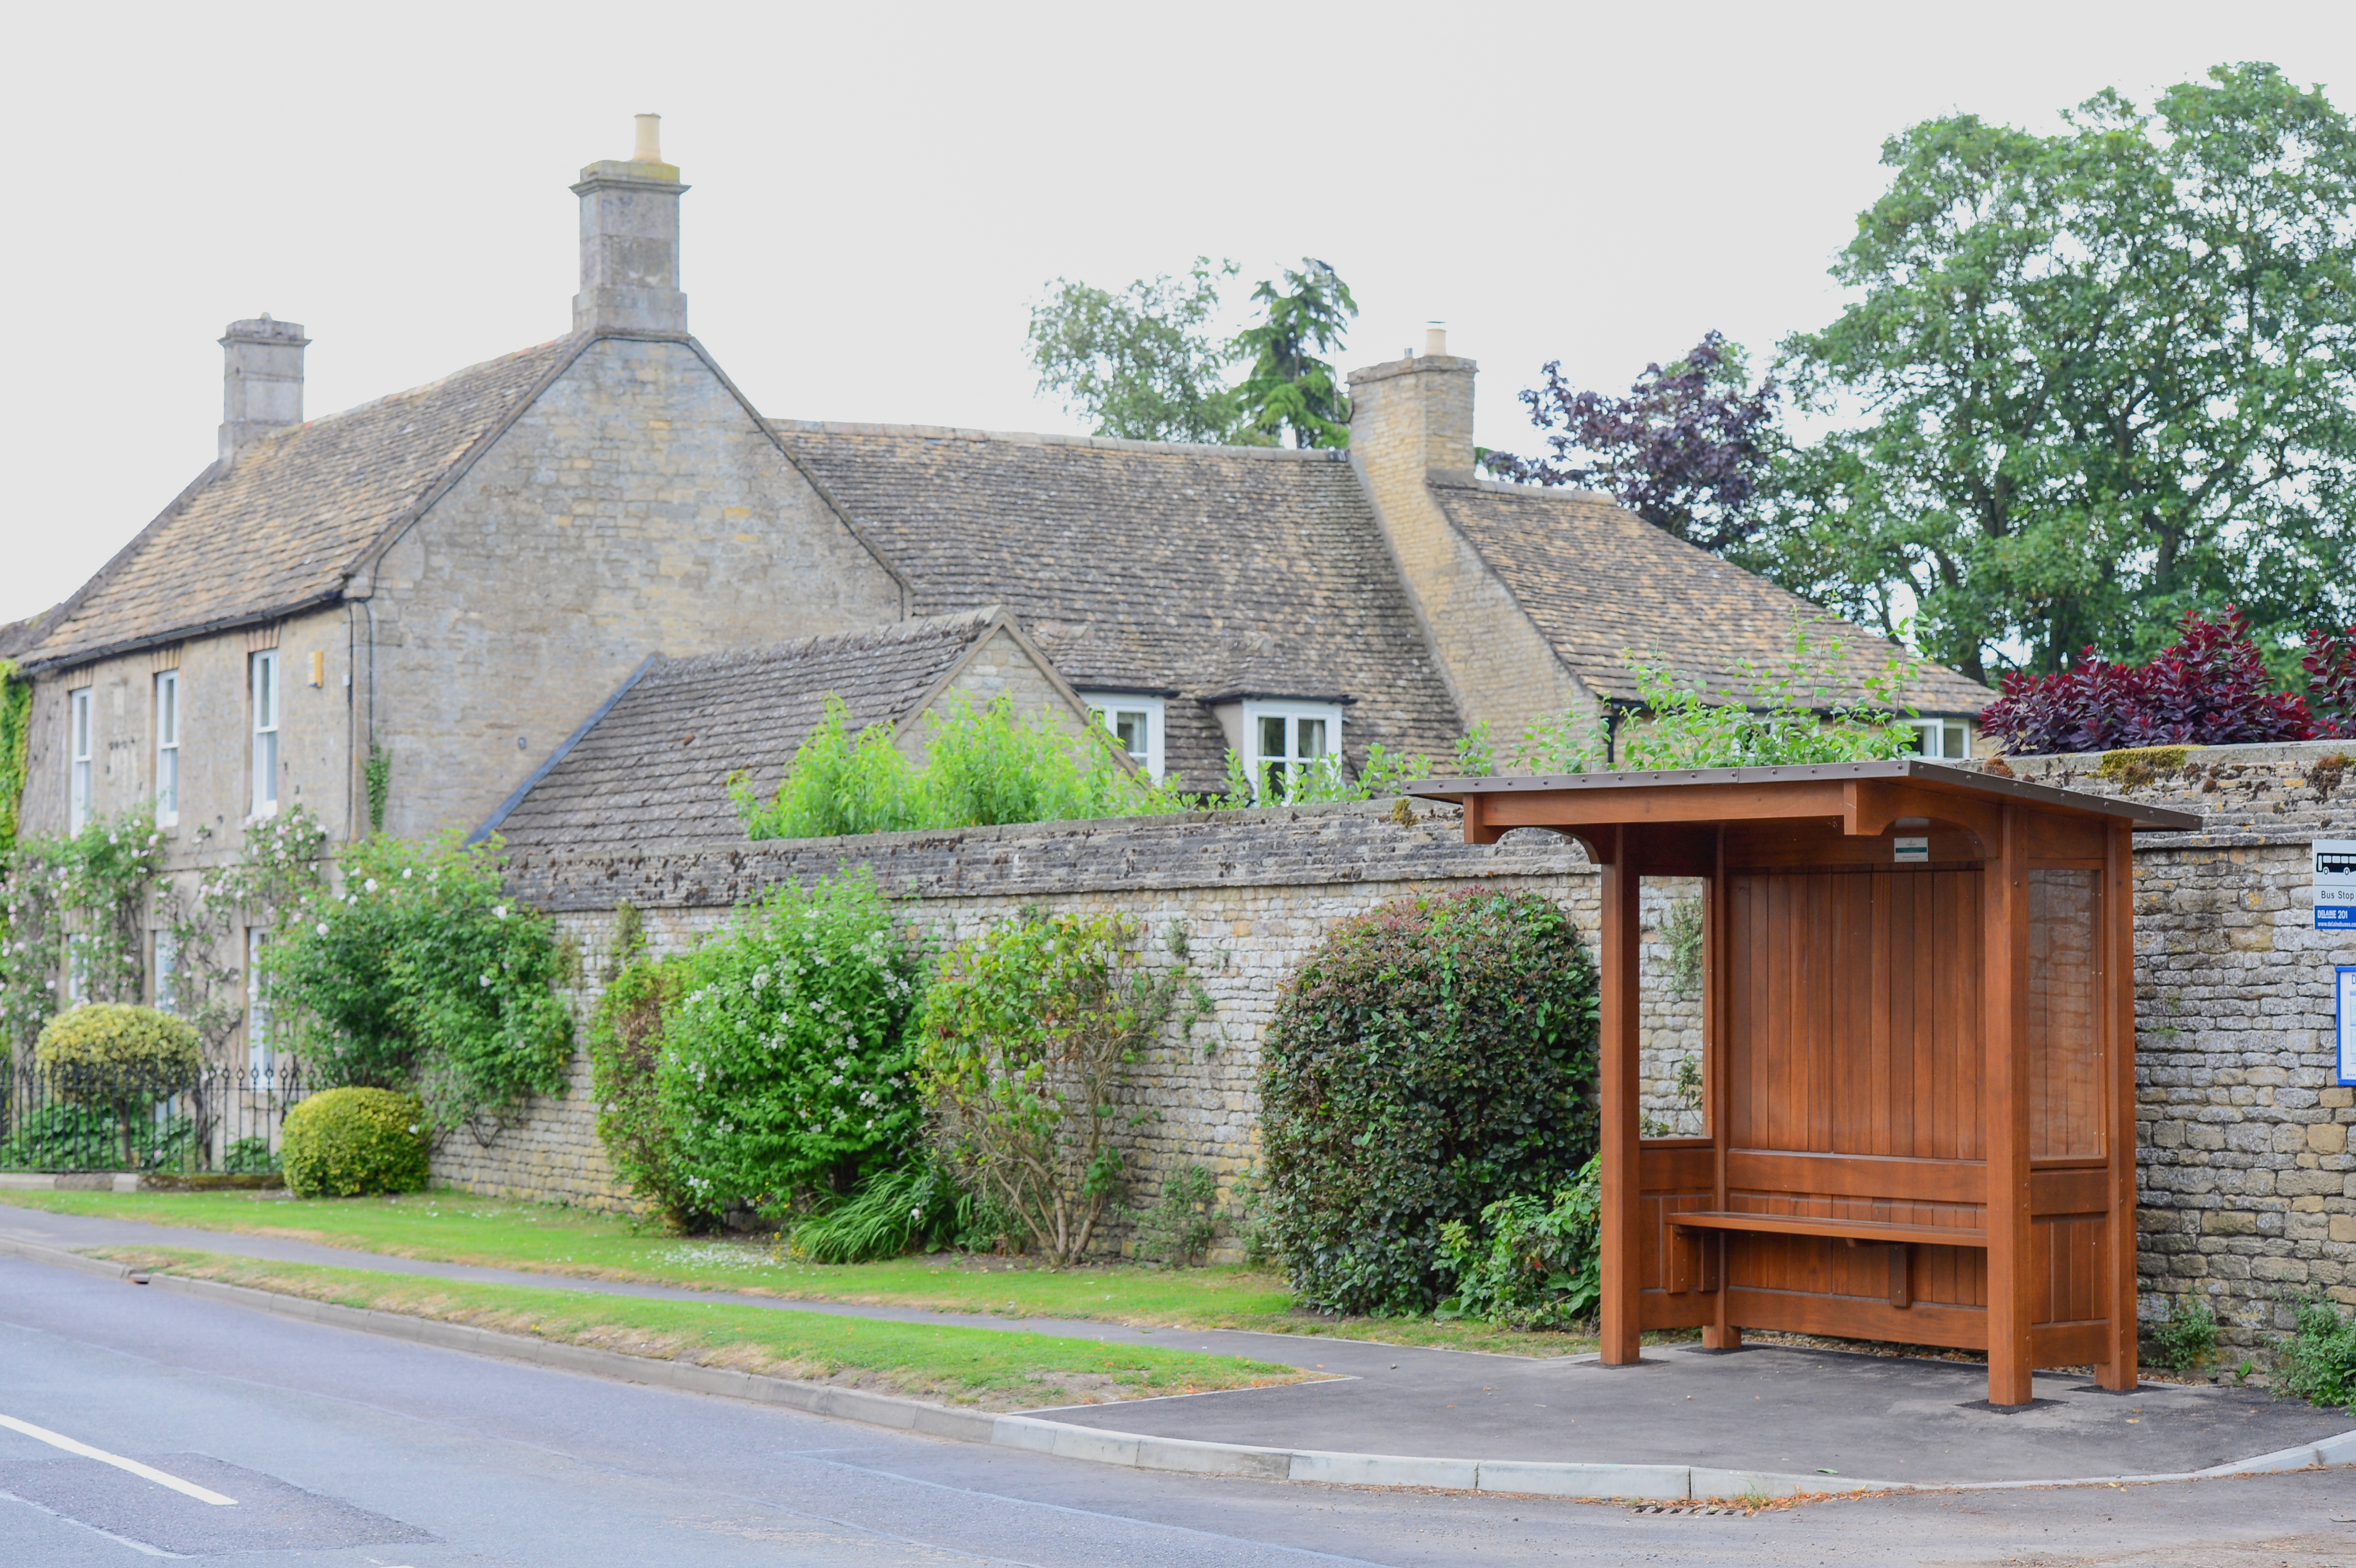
(365, 562)
(1814, 791)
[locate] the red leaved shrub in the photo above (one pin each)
(2211, 689)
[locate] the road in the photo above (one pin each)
(343, 1449)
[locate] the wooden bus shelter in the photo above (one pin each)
(1918, 1061)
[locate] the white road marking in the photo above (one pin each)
(145, 1472)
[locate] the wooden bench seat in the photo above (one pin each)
(1875, 1233)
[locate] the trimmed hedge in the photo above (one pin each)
(346, 1142)
(1429, 1059)
(150, 1051)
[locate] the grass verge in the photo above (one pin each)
(456, 1227)
(984, 1368)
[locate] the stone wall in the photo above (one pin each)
(2248, 1190)
(1254, 890)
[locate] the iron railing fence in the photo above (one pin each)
(91, 1119)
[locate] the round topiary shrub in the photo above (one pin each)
(346, 1142)
(110, 1052)
(1429, 1059)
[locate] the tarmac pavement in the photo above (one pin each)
(1760, 1409)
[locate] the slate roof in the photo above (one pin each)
(1147, 566)
(650, 772)
(1600, 582)
(285, 526)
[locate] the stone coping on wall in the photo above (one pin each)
(1340, 842)
(2252, 795)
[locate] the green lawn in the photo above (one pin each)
(963, 1366)
(455, 1227)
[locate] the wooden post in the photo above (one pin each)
(1720, 1333)
(1618, 1050)
(2004, 1112)
(2119, 1369)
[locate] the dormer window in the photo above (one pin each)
(1135, 721)
(1283, 740)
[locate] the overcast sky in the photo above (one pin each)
(882, 192)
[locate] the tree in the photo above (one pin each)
(1143, 364)
(2105, 377)
(1288, 388)
(1688, 450)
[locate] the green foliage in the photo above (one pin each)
(1288, 388)
(2318, 1360)
(279, 868)
(98, 1137)
(73, 913)
(1029, 1034)
(785, 1067)
(1146, 364)
(1429, 1059)
(1684, 934)
(103, 1042)
(15, 738)
(2099, 378)
(895, 1208)
(1532, 1265)
(2186, 1340)
(376, 773)
(249, 1156)
(1180, 1227)
(983, 765)
(345, 1142)
(626, 1040)
(420, 972)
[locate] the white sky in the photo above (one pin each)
(880, 192)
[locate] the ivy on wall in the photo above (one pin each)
(15, 736)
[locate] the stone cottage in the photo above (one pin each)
(438, 590)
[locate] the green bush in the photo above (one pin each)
(2318, 1361)
(419, 972)
(626, 1038)
(1184, 1222)
(983, 765)
(1030, 1031)
(895, 1208)
(1533, 1265)
(784, 1070)
(100, 1045)
(2186, 1340)
(1429, 1059)
(342, 1143)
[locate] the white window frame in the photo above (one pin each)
(1110, 708)
(1942, 740)
(1258, 760)
(80, 717)
(266, 696)
(167, 748)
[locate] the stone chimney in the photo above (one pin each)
(261, 385)
(1411, 442)
(630, 243)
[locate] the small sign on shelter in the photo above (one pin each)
(2335, 884)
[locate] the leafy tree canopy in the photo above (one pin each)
(2093, 380)
(1146, 364)
(1289, 386)
(1689, 449)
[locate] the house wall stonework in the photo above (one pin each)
(635, 507)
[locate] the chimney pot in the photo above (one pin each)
(262, 381)
(1435, 338)
(649, 147)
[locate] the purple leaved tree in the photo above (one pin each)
(1686, 450)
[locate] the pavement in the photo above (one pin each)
(343, 1449)
(1762, 1409)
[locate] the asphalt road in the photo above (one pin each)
(345, 1448)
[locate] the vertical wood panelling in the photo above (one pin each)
(2005, 1094)
(1622, 1186)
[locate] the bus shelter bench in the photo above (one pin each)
(1686, 1267)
